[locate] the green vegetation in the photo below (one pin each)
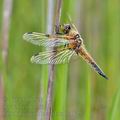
(79, 93)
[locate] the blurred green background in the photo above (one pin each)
(79, 93)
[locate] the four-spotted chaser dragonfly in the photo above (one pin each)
(66, 44)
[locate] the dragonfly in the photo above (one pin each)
(63, 45)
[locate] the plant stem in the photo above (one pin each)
(1, 98)
(5, 28)
(52, 67)
(58, 14)
(7, 8)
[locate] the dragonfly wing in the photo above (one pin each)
(53, 57)
(45, 40)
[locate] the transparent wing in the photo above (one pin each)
(44, 39)
(53, 57)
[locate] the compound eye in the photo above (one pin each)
(67, 27)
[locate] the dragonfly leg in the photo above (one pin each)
(77, 50)
(79, 42)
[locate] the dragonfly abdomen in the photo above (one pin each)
(87, 57)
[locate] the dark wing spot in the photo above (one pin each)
(29, 32)
(47, 35)
(36, 54)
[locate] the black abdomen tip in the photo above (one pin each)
(100, 72)
(103, 75)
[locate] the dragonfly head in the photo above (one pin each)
(66, 28)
